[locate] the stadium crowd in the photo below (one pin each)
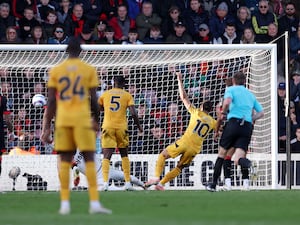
(142, 22)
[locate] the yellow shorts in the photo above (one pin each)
(70, 138)
(184, 149)
(114, 138)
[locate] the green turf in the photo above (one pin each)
(156, 208)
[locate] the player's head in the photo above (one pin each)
(74, 47)
(207, 106)
(119, 81)
(239, 78)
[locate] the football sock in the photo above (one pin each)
(91, 176)
(105, 169)
(160, 165)
(64, 177)
(171, 175)
(227, 167)
(244, 162)
(245, 172)
(126, 168)
(217, 170)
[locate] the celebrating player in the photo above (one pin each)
(190, 144)
(238, 130)
(71, 90)
(114, 103)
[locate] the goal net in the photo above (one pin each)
(149, 71)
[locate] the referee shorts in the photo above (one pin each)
(237, 133)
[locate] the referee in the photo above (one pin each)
(244, 110)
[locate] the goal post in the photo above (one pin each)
(150, 74)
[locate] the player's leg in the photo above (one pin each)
(159, 168)
(85, 139)
(65, 146)
(227, 164)
(240, 159)
(118, 175)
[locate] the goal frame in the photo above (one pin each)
(206, 47)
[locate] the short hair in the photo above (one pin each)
(207, 106)
(120, 80)
(74, 47)
(239, 78)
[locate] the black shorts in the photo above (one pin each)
(237, 133)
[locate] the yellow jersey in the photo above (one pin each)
(115, 102)
(200, 125)
(73, 80)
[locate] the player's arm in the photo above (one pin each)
(183, 95)
(135, 117)
(225, 108)
(49, 115)
(95, 108)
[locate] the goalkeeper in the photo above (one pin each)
(114, 174)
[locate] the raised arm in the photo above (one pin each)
(183, 95)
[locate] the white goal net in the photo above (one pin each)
(149, 71)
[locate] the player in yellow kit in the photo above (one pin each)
(190, 144)
(114, 103)
(71, 96)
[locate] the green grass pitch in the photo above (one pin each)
(156, 208)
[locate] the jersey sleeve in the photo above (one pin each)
(257, 106)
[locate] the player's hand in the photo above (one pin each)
(179, 75)
(45, 136)
(216, 136)
(95, 125)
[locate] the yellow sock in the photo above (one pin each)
(90, 172)
(64, 177)
(105, 169)
(126, 168)
(171, 175)
(160, 165)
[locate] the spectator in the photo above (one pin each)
(110, 7)
(262, 19)
(183, 5)
(100, 28)
(295, 87)
(248, 36)
(218, 21)
(195, 16)
(180, 36)
(134, 8)
(174, 122)
(229, 36)
(233, 5)
(276, 7)
(91, 9)
(108, 37)
(154, 37)
(203, 36)
(121, 23)
(86, 35)
(295, 45)
(295, 143)
(157, 139)
(281, 117)
(24, 146)
(50, 23)
(168, 23)
(19, 6)
(11, 36)
(252, 5)
(42, 10)
(146, 19)
(243, 20)
(289, 21)
(37, 36)
(64, 10)
(27, 23)
(58, 36)
(74, 22)
(6, 20)
(132, 38)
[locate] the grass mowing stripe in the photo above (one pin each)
(156, 208)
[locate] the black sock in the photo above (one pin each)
(227, 168)
(244, 162)
(217, 170)
(245, 172)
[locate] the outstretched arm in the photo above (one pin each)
(183, 95)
